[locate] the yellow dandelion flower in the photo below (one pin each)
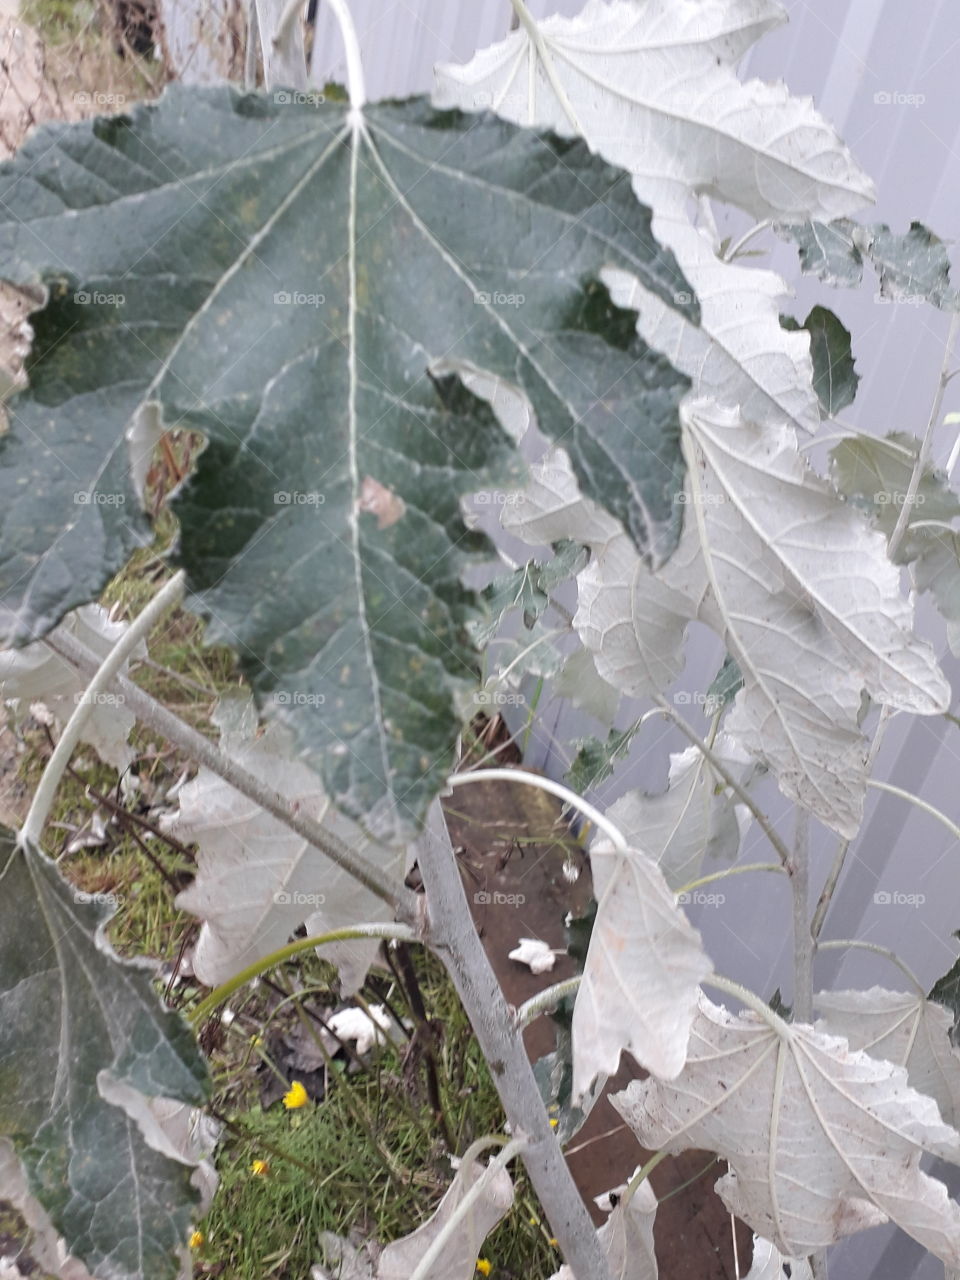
(196, 1239)
(554, 1122)
(484, 1266)
(296, 1096)
(552, 1242)
(259, 1168)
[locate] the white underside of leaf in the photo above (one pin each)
(694, 817)
(653, 89)
(768, 1264)
(257, 880)
(821, 1141)
(642, 973)
(35, 672)
(627, 1238)
(807, 603)
(458, 1258)
(903, 1028)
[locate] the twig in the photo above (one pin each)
(454, 937)
(200, 749)
(102, 678)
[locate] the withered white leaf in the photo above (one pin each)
(904, 1028)
(642, 973)
(821, 1140)
(257, 880)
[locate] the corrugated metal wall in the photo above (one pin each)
(860, 59)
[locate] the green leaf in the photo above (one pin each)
(306, 297)
(528, 589)
(77, 1024)
(835, 378)
(911, 266)
(875, 474)
(724, 686)
(946, 991)
(595, 761)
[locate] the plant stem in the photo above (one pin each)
(544, 1001)
(203, 752)
(926, 444)
(102, 678)
(406, 974)
(803, 947)
(842, 943)
(454, 937)
(513, 1148)
(934, 812)
(226, 989)
(732, 871)
(355, 81)
(553, 788)
(720, 768)
(826, 895)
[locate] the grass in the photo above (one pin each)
(375, 1165)
(369, 1158)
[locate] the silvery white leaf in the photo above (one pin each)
(36, 672)
(257, 880)
(627, 1238)
(902, 1028)
(642, 973)
(821, 1141)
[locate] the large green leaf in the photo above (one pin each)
(76, 1025)
(306, 296)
